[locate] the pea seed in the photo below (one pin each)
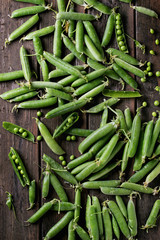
(21, 172)
(148, 69)
(151, 31)
(16, 130)
(157, 88)
(120, 38)
(39, 114)
(24, 134)
(119, 32)
(123, 48)
(148, 64)
(64, 127)
(61, 158)
(154, 114)
(121, 43)
(23, 176)
(118, 17)
(118, 22)
(145, 72)
(64, 163)
(152, 52)
(144, 104)
(21, 130)
(19, 168)
(13, 157)
(16, 161)
(143, 80)
(73, 138)
(68, 138)
(39, 138)
(72, 157)
(156, 103)
(70, 120)
(158, 74)
(118, 27)
(67, 124)
(150, 74)
(157, 41)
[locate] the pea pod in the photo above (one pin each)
(107, 223)
(32, 194)
(120, 115)
(46, 182)
(96, 204)
(60, 94)
(18, 167)
(24, 97)
(75, 16)
(120, 34)
(120, 94)
(147, 139)
(81, 233)
(37, 104)
(138, 157)
(101, 106)
(155, 172)
(63, 206)
(71, 27)
(28, 11)
(128, 118)
(108, 30)
(115, 191)
(9, 203)
(132, 218)
(19, 131)
(115, 227)
(99, 6)
(138, 188)
(25, 64)
(124, 159)
(79, 168)
(86, 172)
(87, 219)
(154, 138)
(39, 33)
(11, 75)
(99, 184)
(71, 231)
(122, 206)
(77, 202)
(15, 92)
(145, 11)
(94, 233)
(79, 132)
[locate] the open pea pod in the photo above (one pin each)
(66, 124)
(21, 132)
(19, 167)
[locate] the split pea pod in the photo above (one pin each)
(25, 64)
(44, 209)
(115, 227)
(121, 94)
(37, 104)
(145, 11)
(58, 188)
(59, 170)
(132, 217)
(96, 204)
(108, 30)
(28, 11)
(46, 182)
(98, 184)
(75, 16)
(136, 177)
(94, 233)
(138, 188)
(23, 28)
(107, 223)
(101, 106)
(119, 217)
(130, 68)
(11, 76)
(39, 33)
(66, 108)
(128, 118)
(77, 202)
(99, 6)
(18, 167)
(59, 225)
(71, 231)
(135, 134)
(115, 191)
(32, 194)
(19, 131)
(155, 172)
(82, 233)
(57, 42)
(122, 206)
(154, 138)
(52, 144)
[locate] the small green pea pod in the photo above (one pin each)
(15, 92)
(122, 120)
(39, 33)
(155, 172)
(46, 183)
(19, 167)
(79, 36)
(96, 204)
(79, 132)
(28, 11)
(138, 157)
(115, 227)
(71, 23)
(120, 32)
(58, 188)
(139, 188)
(32, 194)
(37, 104)
(147, 139)
(71, 231)
(86, 172)
(156, 152)
(87, 219)
(94, 233)
(115, 191)
(67, 123)
(77, 202)
(155, 135)
(151, 221)
(128, 118)
(79, 168)
(145, 11)
(81, 159)
(57, 42)
(108, 30)
(63, 206)
(124, 159)
(9, 76)
(104, 117)
(25, 64)
(135, 134)
(122, 206)
(24, 97)
(107, 223)
(82, 233)
(59, 225)
(9, 203)
(132, 218)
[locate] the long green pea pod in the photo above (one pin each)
(96, 204)
(115, 191)
(87, 219)
(119, 217)
(41, 211)
(115, 227)
(121, 94)
(98, 184)
(132, 217)
(155, 135)
(25, 64)
(99, 6)
(77, 202)
(155, 172)
(138, 157)
(139, 188)
(94, 233)
(156, 152)
(82, 233)
(32, 194)
(46, 183)
(79, 168)
(104, 118)
(79, 132)
(39, 33)
(128, 118)
(71, 28)
(122, 120)
(13, 128)
(37, 104)
(101, 106)
(24, 97)
(17, 163)
(63, 206)
(108, 30)
(107, 223)
(11, 75)
(124, 159)
(135, 134)
(122, 206)
(52, 144)
(86, 172)
(57, 42)
(39, 2)
(145, 11)
(71, 231)
(81, 159)
(67, 123)
(60, 170)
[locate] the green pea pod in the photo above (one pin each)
(63, 206)
(57, 42)
(96, 204)
(67, 123)
(115, 227)
(37, 104)
(24, 97)
(60, 170)
(139, 188)
(71, 28)
(75, 16)
(86, 172)
(132, 218)
(147, 139)
(122, 206)
(155, 172)
(79, 132)
(25, 64)
(98, 184)
(46, 183)
(156, 152)
(104, 117)
(82, 233)
(124, 159)
(99, 6)
(122, 120)
(128, 118)
(108, 30)
(107, 223)
(87, 220)
(39, 33)
(151, 221)
(94, 233)
(145, 11)
(77, 202)
(9, 203)
(11, 75)
(79, 36)
(115, 191)
(13, 128)
(120, 94)
(155, 135)
(138, 157)
(79, 168)
(28, 11)
(18, 167)
(32, 194)
(71, 231)
(119, 30)
(15, 92)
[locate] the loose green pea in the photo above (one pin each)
(145, 72)
(21, 130)
(150, 74)
(148, 64)
(39, 114)
(156, 103)
(39, 138)
(21, 172)
(68, 138)
(13, 157)
(72, 157)
(19, 167)
(157, 88)
(64, 163)
(158, 74)
(152, 52)
(152, 31)
(144, 104)
(157, 41)
(16, 161)
(24, 134)
(154, 114)
(73, 138)
(143, 80)
(148, 68)
(16, 130)
(61, 158)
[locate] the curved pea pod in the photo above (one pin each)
(139, 188)
(18, 167)
(71, 231)
(135, 134)
(63, 206)
(128, 118)
(57, 168)
(121, 94)
(99, 184)
(108, 30)
(151, 221)
(82, 233)
(115, 191)
(138, 157)
(132, 217)
(86, 172)
(136, 177)
(115, 227)
(39, 2)
(94, 232)
(37, 104)
(121, 34)
(145, 11)
(147, 139)
(79, 168)
(107, 223)
(32, 194)
(81, 159)
(96, 204)
(75, 16)
(25, 64)
(28, 11)
(23, 28)
(119, 217)
(67, 123)
(46, 183)
(99, 6)
(79, 132)
(104, 118)
(44, 209)
(154, 138)
(152, 175)
(96, 135)
(101, 106)
(58, 188)
(59, 225)
(11, 75)
(13, 128)
(77, 203)
(130, 68)
(122, 206)
(66, 108)
(125, 57)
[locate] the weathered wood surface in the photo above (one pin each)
(136, 25)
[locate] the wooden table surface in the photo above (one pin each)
(136, 25)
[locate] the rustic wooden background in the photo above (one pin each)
(136, 25)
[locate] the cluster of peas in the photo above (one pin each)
(18, 166)
(21, 132)
(61, 158)
(120, 34)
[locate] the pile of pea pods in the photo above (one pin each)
(103, 150)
